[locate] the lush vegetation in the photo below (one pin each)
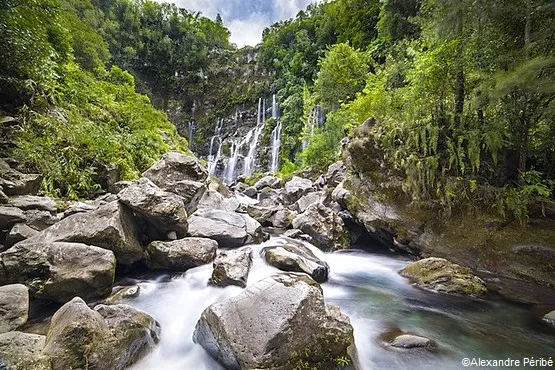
(462, 93)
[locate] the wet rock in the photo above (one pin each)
(34, 202)
(14, 306)
(297, 258)
(229, 229)
(10, 216)
(14, 182)
(22, 351)
(19, 232)
(111, 227)
(307, 200)
(232, 267)
(251, 192)
(109, 337)
(127, 292)
(549, 318)
(267, 181)
(296, 188)
(163, 211)
(411, 341)
(278, 323)
(282, 219)
(182, 254)
(58, 271)
(322, 224)
(444, 276)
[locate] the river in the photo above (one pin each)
(377, 299)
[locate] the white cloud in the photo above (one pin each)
(246, 19)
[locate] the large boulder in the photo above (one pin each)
(14, 182)
(182, 175)
(281, 322)
(297, 258)
(444, 276)
(58, 271)
(232, 267)
(213, 199)
(10, 216)
(19, 232)
(22, 351)
(109, 337)
(296, 188)
(307, 200)
(336, 173)
(182, 254)
(34, 202)
(41, 220)
(14, 306)
(164, 212)
(229, 229)
(283, 218)
(549, 318)
(111, 227)
(322, 224)
(267, 181)
(262, 214)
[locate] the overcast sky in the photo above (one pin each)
(246, 19)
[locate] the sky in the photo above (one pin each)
(246, 19)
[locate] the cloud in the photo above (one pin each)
(246, 19)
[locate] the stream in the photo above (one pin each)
(377, 299)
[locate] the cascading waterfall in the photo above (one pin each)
(213, 159)
(315, 119)
(192, 127)
(276, 137)
(250, 160)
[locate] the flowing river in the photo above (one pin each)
(369, 290)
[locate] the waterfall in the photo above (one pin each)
(315, 119)
(213, 159)
(276, 137)
(250, 160)
(192, 127)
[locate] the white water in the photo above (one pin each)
(250, 159)
(192, 127)
(213, 159)
(370, 291)
(315, 119)
(276, 137)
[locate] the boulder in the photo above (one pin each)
(297, 234)
(41, 220)
(281, 322)
(119, 186)
(297, 258)
(306, 200)
(109, 337)
(549, 318)
(213, 199)
(111, 227)
(229, 229)
(412, 341)
(80, 207)
(267, 181)
(268, 196)
(336, 173)
(282, 219)
(14, 182)
(322, 224)
(251, 192)
(58, 271)
(14, 306)
(444, 276)
(262, 214)
(26, 202)
(163, 211)
(181, 254)
(341, 195)
(10, 216)
(296, 188)
(127, 292)
(19, 232)
(22, 351)
(232, 267)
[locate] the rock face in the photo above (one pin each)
(444, 276)
(14, 306)
(111, 227)
(232, 267)
(34, 202)
(163, 211)
(297, 258)
(278, 323)
(549, 318)
(322, 224)
(180, 174)
(267, 181)
(229, 229)
(296, 188)
(22, 351)
(59, 271)
(182, 254)
(14, 182)
(10, 216)
(127, 292)
(109, 337)
(307, 200)
(19, 232)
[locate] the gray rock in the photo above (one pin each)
(232, 267)
(14, 182)
(297, 258)
(283, 218)
(271, 196)
(412, 341)
(298, 234)
(14, 306)
(262, 214)
(213, 199)
(240, 187)
(59, 271)
(229, 229)
(549, 318)
(3, 197)
(278, 323)
(267, 181)
(40, 220)
(341, 195)
(127, 292)
(307, 200)
(109, 337)
(190, 191)
(111, 227)
(119, 186)
(322, 224)
(163, 211)
(444, 276)
(22, 351)
(296, 188)
(182, 254)
(336, 173)
(34, 202)
(80, 207)
(19, 232)
(251, 192)
(10, 216)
